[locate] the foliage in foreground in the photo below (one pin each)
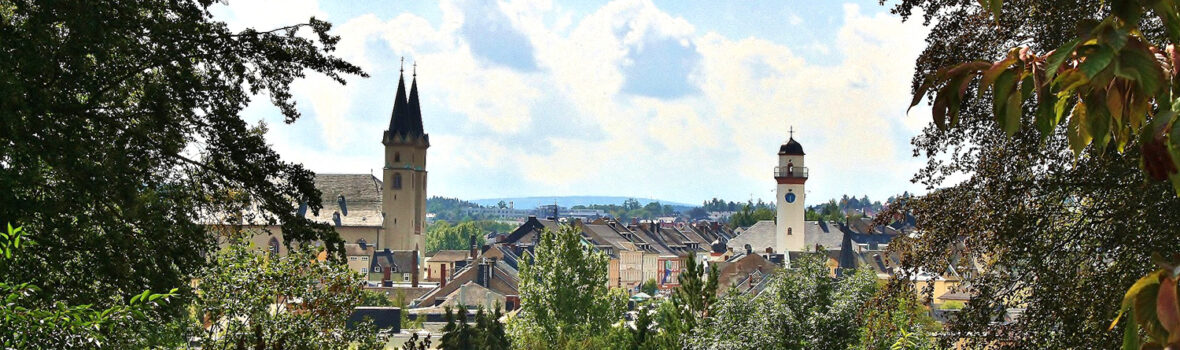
(258, 300)
(1067, 142)
(565, 301)
(121, 126)
(31, 320)
(801, 308)
(487, 333)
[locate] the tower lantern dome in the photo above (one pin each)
(791, 148)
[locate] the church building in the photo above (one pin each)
(381, 220)
(790, 175)
(403, 195)
(847, 244)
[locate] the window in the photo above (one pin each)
(397, 181)
(406, 277)
(364, 258)
(397, 156)
(788, 231)
(273, 246)
(376, 268)
(364, 270)
(352, 258)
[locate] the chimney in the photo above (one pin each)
(491, 272)
(481, 274)
(414, 268)
(442, 276)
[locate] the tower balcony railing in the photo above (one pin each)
(795, 172)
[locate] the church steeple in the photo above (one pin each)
(415, 110)
(403, 195)
(405, 125)
(397, 119)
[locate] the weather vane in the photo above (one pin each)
(403, 67)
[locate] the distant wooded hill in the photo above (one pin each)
(570, 201)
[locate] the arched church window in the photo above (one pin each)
(397, 157)
(790, 167)
(273, 246)
(397, 181)
(788, 231)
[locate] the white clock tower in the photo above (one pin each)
(790, 174)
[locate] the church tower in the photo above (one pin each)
(790, 174)
(403, 198)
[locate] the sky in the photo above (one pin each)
(659, 99)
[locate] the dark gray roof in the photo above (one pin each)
(759, 236)
(821, 233)
(792, 148)
(353, 249)
(604, 236)
(396, 261)
(354, 198)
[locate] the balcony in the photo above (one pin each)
(790, 172)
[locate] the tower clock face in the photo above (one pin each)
(790, 198)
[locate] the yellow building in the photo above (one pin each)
(443, 264)
(403, 195)
(378, 214)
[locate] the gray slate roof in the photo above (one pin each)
(361, 200)
(759, 236)
(395, 261)
(822, 233)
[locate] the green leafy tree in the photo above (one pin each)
(895, 319)
(1062, 125)
(252, 299)
(750, 215)
(122, 129)
(565, 301)
(375, 298)
(630, 204)
(444, 236)
(650, 286)
(487, 333)
(801, 308)
(690, 302)
(30, 320)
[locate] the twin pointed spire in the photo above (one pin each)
(406, 120)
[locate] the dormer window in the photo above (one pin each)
(376, 268)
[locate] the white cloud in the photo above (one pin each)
(794, 19)
(743, 94)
